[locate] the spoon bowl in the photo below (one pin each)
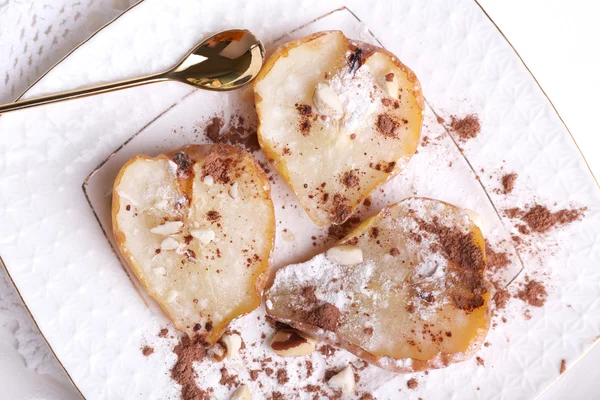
(225, 61)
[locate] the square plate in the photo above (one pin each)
(90, 313)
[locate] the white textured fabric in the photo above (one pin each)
(34, 35)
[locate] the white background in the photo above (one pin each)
(557, 39)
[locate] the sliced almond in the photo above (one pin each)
(208, 180)
(204, 235)
(169, 244)
(242, 393)
(292, 343)
(327, 102)
(345, 254)
(344, 381)
(168, 228)
(234, 191)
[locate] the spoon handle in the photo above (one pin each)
(77, 93)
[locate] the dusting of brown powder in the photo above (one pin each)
(326, 316)
(228, 379)
(495, 260)
(189, 351)
(508, 182)
(386, 125)
(163, 333)
(218, 167)
(412, 384)
(239, 132)
(147, 350)
(501, 298)
(534, 293)
(540, 219)
(467, 127)
(466, 258)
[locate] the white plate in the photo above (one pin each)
(90, 313)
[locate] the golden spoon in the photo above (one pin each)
(225, 61)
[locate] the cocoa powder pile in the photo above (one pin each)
(412, 384)
(147, 350)
(239, 133)
(540, 219)
(495, 260)
(501, 298)
(467, 127)
(188, 351)
(326, 316)
(508, 182)
(467, 262)
(534, 293)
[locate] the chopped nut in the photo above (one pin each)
(292, 343)
(233, 191)
(168, 228)
(391, 86)
(345, 254)
(208, 180)
(326, 101)
(344, 381)
(218, 352)
(169, 244)
(232, 343)
(161, 204)
(204, 235)
(242, 393)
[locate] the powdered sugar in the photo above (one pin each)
(355, 92)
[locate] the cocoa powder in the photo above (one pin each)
(540, 219)
(189, 351)
(495, 260)
(147, 350)
(308, 293)
(228, 379)
(467, 127)
(239, 133)
(350, 179)
(412, 384)
(282, 376)
(341, 209)
(326, 316)
(386, 125)
(218, 167)
(508, 182)
(501, 298)
(466, 261)
(534, 293)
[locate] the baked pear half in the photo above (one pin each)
(197, 227)
(337, 118)
(404, 291)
